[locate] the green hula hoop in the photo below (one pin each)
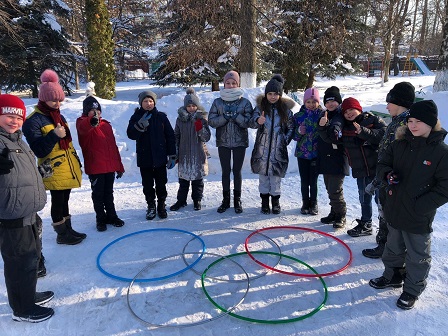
(248, 319)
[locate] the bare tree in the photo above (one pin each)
(441, 80)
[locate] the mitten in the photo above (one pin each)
(372, 187)
(392, 178)
(143, 123)
(234, 115)
(302, 129)
(95, 120)
(5, 165)
(198, 125)
(171, 162)
(119, 174)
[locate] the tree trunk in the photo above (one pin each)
(311, 78)
(441, 80)
(215, 85)
(247, 52)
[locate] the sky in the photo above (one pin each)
(93, 282)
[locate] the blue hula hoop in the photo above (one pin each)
(116, 277)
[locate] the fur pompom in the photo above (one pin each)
(49, 76)
(190, 90)
(279, 78)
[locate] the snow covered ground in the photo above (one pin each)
(87, 302)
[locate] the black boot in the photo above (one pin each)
(314, 209)
(265, 204)
(329, 219)
(237, 201)
(225, 202)
(151, 211)
(197, 205)
(276, 204)
(339, 221)
(305, 209)
(68, 222)
(64, 234)
(41, 269)
(161, 210)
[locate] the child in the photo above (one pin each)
(306, 135)
(230, 115)
(361, 134)
(332, 160)
(101, 159)
(399, 100)
(19, 239)
(191, 132)
(275, 127)
(156, 151)
(48, 135)
(415, 167)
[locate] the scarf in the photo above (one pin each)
(55, 115)
(231, 94)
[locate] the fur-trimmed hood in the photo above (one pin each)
(437, 133)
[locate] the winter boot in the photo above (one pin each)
(305, 209)
(34, 315)
(64, 234)
(151, 211)
(225, 202)
(364, 228)
(161, 210)
(68, 222)
(43, 297)
(406, 301)
(314, 209)
(179, 204)
(339, 221)
(101, 225)
(395, 282)
(329, 219)
(374, 253)
(197, 205)
(41, 269)
(265, 209)
(237, 201)
(115, 221)
(275, 204)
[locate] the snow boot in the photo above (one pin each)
(406, 301)
(314, 209)
(237, 201)
(151, 211)
(275, 204)
(329, 219)
(374, 253)
(41, 269)
(225, 202)
(43, 297)
(305, 209)
(64, 234)
(265, 209)
(34, 315)
(339, 221)
(364, 228)
(161, 210)
(68, 222)
(197, 205)
(179, 204)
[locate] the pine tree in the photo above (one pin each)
(100, 48)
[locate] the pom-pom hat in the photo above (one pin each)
(275, 84)
(191, 98)
(50, 89)
(147, 94)
(425, 110)
(10, 104)
(311, 93)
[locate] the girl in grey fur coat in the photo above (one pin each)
(191, 133)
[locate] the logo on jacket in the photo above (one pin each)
(426, 162)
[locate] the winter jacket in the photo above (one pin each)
(421, 165)
(306, 147)
(270, 153)
(190, 144)
(99, 147)
(331, 158)
(233, 132)
(156, 143)
(362, 148)
(22, 191)
(39, 133)
(389, 135)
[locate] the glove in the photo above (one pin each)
(302, 129)
(95, 120)
(372, 187)
(143, 123)
(171, 162)
(5, 164)
(45, 169)
(119, 174)
(227, 116)
(198, 125)
(234, 115)
(392, 178)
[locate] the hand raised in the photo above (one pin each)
(60, 131)
(261, 119)
(323, 121)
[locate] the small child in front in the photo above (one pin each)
(191, 133)
(415, 167)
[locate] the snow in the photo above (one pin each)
(87, 302)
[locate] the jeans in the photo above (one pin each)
(366, 199)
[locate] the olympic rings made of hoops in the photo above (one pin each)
(181, 325)
(303, 229)
(236, 229)
(282, 321)
(98, 259)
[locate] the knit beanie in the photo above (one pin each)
(351, 103)
(275, 84)
(90, 103)
(233, 75)
(311, 93)
(402, 94)
(191, 98)
(425, 110)
(146, 94)
(332, 93)
(10, 104)
(50, 89)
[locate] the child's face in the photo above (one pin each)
(351, 114)
(419, 128)
(331, 105)
(148, 104)
(191, 108)
(273, 97)
(10, 122)
(311, 104)
(92, 112)
(394, 109)
(230, 84)
(54, 104)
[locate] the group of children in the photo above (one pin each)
(406, 165)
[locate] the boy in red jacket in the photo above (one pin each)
(101, 161)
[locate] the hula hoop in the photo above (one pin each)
(116, 277)
(182, 325)
(248, 319)
(293, 273)
(218, 279)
